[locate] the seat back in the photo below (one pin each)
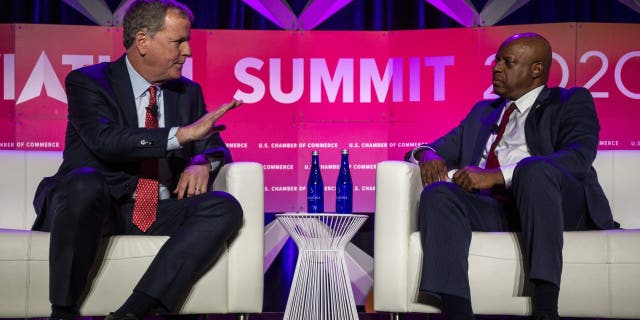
(620, 180)
(21, 171)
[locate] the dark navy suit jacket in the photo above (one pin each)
(102, 130)
(562, 128)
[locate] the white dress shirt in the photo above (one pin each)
(513, 146)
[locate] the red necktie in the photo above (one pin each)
(492, 159)
(146, 204)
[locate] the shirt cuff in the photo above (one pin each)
(172, 140)
(507, 174)
(214, 163)
(419, 148)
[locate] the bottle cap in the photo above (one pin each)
(315, 153)
(345, 151)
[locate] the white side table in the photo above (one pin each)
(321, 288)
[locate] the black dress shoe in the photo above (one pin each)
(128, 316)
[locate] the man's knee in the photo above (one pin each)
(85, 182)
(436, 198)
(534, 171)
(438, 192)
(227, 206)
(82, 195)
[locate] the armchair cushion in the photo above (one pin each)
(233, 285)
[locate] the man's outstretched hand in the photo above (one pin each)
(206, 126)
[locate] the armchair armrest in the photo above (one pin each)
(245, 181)
(398, 188)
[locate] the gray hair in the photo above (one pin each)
(148, 16)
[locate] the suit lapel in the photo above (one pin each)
(121, 84)
(485, 130)
(175, 115)
(171, 99)
(530, 128)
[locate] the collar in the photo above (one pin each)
(138, 83)
(527, 100)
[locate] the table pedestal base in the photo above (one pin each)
(321, 288)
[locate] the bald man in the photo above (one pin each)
(523, 163)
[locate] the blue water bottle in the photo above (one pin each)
(315, 186)
(344, 186)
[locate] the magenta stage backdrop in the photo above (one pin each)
(378, 94)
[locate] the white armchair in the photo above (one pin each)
(233, 285)
(601, 270)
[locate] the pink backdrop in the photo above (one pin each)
(378, 94)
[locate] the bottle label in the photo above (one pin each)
(315, 206)
(344, 203)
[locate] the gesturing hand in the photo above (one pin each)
(206, 126)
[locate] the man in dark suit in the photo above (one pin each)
(139, 155)
(524, 163)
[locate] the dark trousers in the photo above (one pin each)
(80, 211)
(545, 200)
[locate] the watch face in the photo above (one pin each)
(214, 165)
